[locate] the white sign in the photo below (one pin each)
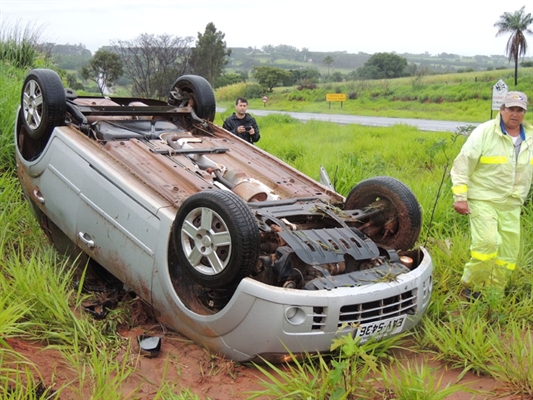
(499, 90)
(264, 98)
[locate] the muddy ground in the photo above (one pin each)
(189, 366)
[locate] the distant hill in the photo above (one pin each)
(288, 57)
(72, 57)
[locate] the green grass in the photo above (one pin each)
(451, 97)
(40, 302)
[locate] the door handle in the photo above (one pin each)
(86, 239)
(39, 196)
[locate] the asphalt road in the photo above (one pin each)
(422, 124)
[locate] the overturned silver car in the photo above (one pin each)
(231, 246)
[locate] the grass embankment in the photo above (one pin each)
(40, 303)
(452, 97)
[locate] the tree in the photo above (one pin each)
(307, 75)
(336, 77)
(243, 75)
(210, 56)
(327, 61)
(104, 69)
(73, 83)
(383, 66)
(154, 62)
(228, 79)
(269, 77)
(517, 24)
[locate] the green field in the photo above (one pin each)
(41, 303)
(450, 97)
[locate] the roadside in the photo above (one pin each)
(422, 124)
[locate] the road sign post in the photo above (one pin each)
(499, 90)
(335, 97)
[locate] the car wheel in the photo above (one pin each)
(197, 89)
(43, 104)
(216, 238)
(392, 215)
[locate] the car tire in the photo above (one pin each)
(43, 104)
(200, 91)
(216, 238)
(398, 225)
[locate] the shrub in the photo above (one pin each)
(303, 86)
(247, 90)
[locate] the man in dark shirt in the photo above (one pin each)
(242, 124)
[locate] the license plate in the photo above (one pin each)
(384, 328)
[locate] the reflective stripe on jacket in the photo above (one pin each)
(487, 168)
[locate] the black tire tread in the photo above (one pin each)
(202, 92)
(400, 196)
(54, 106)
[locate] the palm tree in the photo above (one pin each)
(517, 24)
(327, 61)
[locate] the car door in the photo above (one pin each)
(53, 182)
(116, 229)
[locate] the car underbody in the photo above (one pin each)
(216, 234)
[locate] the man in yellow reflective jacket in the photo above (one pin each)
(491, 178)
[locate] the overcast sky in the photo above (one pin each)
(464, 27)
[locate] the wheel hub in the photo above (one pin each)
(206, 243)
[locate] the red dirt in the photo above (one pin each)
(189, 366)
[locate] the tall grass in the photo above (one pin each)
(493, 337)
(9, 101)
(20, 44)
(466, 337)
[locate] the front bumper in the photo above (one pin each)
(269, 322)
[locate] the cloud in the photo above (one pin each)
(413, 26)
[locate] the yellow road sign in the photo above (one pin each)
(335, 97)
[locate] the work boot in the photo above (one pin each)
(471, 296)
